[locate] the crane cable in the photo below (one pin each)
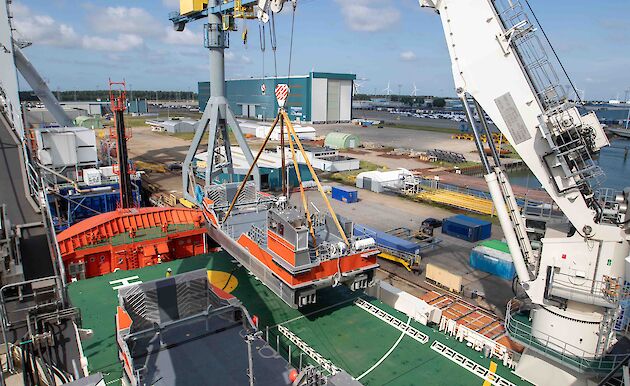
(291, 41)
(262, 37)
(274, 45)
(289, 69)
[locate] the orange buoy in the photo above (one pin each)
(255, 320)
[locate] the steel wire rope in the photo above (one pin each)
(274, 45)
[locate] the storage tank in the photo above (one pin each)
(467, 228)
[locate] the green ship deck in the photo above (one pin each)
(342, 332)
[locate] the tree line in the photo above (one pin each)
(103, 95)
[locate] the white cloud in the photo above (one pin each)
(123, 42)
(407, 56)
(43, 29)
(237, 58)
(185, 37)
(368, 15)
(124, 20)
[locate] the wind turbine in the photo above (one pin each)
(415, 90)
(388, 90)
(357, 84)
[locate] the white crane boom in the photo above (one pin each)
(576, 280)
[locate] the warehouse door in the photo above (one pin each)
(367, 183)
(333, 100)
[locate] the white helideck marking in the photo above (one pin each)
(470, 365)
(125, 281)
(392, 321)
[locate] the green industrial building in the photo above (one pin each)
(319, 97)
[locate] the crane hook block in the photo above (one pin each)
(244, 35)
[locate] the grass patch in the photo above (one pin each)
(452, 165)
(140, 121)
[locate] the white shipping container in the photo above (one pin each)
(92, 177)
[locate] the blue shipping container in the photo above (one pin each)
(492, 261)
(386, 240)
(467, 228)
(345, 194)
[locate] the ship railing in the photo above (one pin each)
(228, 230)
(412, 258)
(607, 194)
(299, 354)
(542, 211)
(554, 348)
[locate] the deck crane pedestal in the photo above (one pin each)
(217, 116)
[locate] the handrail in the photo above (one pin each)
(556, 349)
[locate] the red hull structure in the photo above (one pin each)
(129, 239)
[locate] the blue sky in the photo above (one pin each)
(80, 44)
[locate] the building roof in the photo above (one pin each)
(268, 159)
(328, 75)
(342, 136)
(338, 140)
(384, 176)
(170, 122)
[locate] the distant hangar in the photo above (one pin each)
(319, 97)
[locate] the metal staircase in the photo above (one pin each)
(572, 143)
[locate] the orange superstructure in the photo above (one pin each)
(129, 239)
(295, 254)
(324, 270)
